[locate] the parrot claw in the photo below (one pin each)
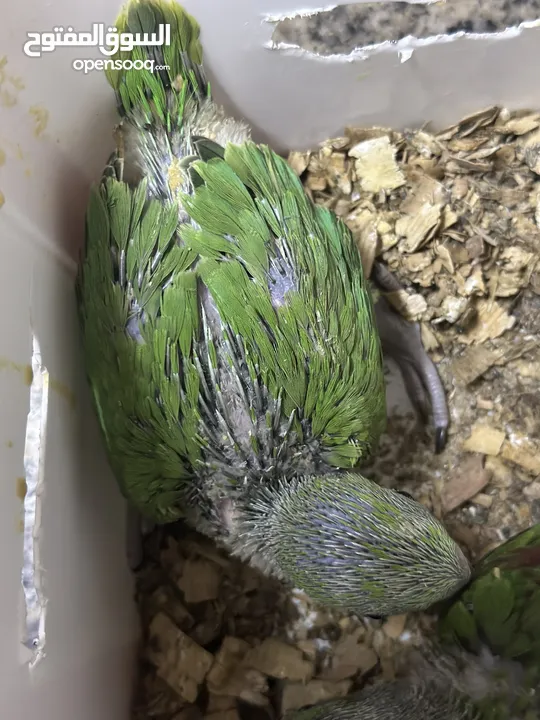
(441, 438)
(401, 341)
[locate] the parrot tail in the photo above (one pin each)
(160, 78)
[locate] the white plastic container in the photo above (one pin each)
(55, 136)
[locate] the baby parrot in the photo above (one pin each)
(231, 347)
(485, 663)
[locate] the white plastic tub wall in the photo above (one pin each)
(55, 135)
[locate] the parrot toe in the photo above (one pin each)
(401, 340)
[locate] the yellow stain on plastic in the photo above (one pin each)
(56, 386)
(41, 119)
(7, 99)
(2, 199)
(10, 85)
(2, 157)
(11, 148)
(25, 370)
(17, 82)
(9, 443)
(64, 392)
(21, 488)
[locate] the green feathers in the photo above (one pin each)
(292, 288)
(500, 611)
(231, 347)
(133, 267)
(159, 93)
(501, 605)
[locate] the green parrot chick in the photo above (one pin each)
(232, 350)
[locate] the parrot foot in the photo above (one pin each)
(401, 340)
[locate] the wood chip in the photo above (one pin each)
(200, 581)
(485, 439)
(227, 715)
(420, 228)
(280, 660)
(466, 481)
(473, 363)
(231, 675)
(298, 695)
(179, 661)
(483, 500)
(394, 626)
(493, 319)
(350, 657)
(299, 161)
(411, 307)
(376, 165)
(524, 452)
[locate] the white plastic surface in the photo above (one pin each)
(293, 100)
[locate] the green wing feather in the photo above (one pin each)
(320, 348)
(145, 388)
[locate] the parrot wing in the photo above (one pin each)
(261, 288)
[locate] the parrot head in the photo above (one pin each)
(349, 543)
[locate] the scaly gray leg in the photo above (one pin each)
(401, 340)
